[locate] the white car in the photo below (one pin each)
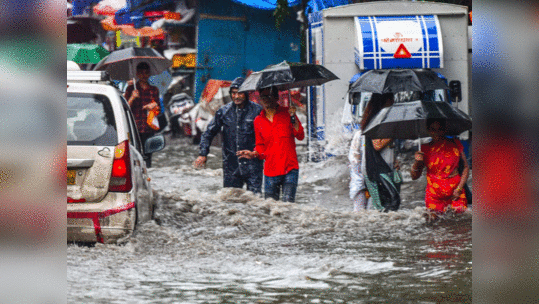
(108, 187)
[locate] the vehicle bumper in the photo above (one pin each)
(105, 222)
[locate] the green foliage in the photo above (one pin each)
(281, 12)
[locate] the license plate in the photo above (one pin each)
(71, 174)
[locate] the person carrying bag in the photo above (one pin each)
(383, 183)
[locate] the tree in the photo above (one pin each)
(281, 12)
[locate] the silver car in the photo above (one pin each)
(108, 187)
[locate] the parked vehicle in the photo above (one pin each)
(108, 187)
(355, 38)
(179, 107)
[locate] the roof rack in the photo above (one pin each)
(88, 76)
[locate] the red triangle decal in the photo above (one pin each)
(402, 52)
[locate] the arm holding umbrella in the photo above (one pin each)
(296, 124)
(131, 94)
(417, 167)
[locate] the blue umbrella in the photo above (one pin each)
(266, 4)
(161, 81)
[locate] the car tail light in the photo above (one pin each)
(120, 180)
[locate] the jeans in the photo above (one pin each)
(288, 183)
(253, 181)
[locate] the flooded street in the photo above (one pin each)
(214, 245)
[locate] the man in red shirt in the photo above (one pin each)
(275, 143)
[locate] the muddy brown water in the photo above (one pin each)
(214, 245)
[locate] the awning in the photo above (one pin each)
(388, 42)
(109, 25)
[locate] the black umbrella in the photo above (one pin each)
(398, 80)
(288, 75)
(408, 120)
(121, 64)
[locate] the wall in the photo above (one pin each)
(234, 38)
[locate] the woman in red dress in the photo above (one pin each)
(441, 157)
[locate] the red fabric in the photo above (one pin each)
(146, 97)
(104, 10)
(275, 142)
(212, 87)
(154, 14)
(442, 159)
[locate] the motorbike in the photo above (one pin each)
(180, 120)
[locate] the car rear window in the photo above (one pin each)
(90, 120)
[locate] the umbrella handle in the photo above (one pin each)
(134, 77)
(293, 117)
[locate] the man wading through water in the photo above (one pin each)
(142, 99)
(275, 143)
(235, 121)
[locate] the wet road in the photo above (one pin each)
(214, 245)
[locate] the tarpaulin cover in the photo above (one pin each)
(266, 4)
(212, 87)
(80, 5)
(398, 80)
(109, 7)
(318, 5)
(121, 64)
(408, 120)
(110, 25)
(287, 75)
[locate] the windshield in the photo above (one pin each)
(90, 120)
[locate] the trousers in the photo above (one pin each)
(288, 183)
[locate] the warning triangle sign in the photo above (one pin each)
(402, 52)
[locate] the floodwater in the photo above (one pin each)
(214, 245)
